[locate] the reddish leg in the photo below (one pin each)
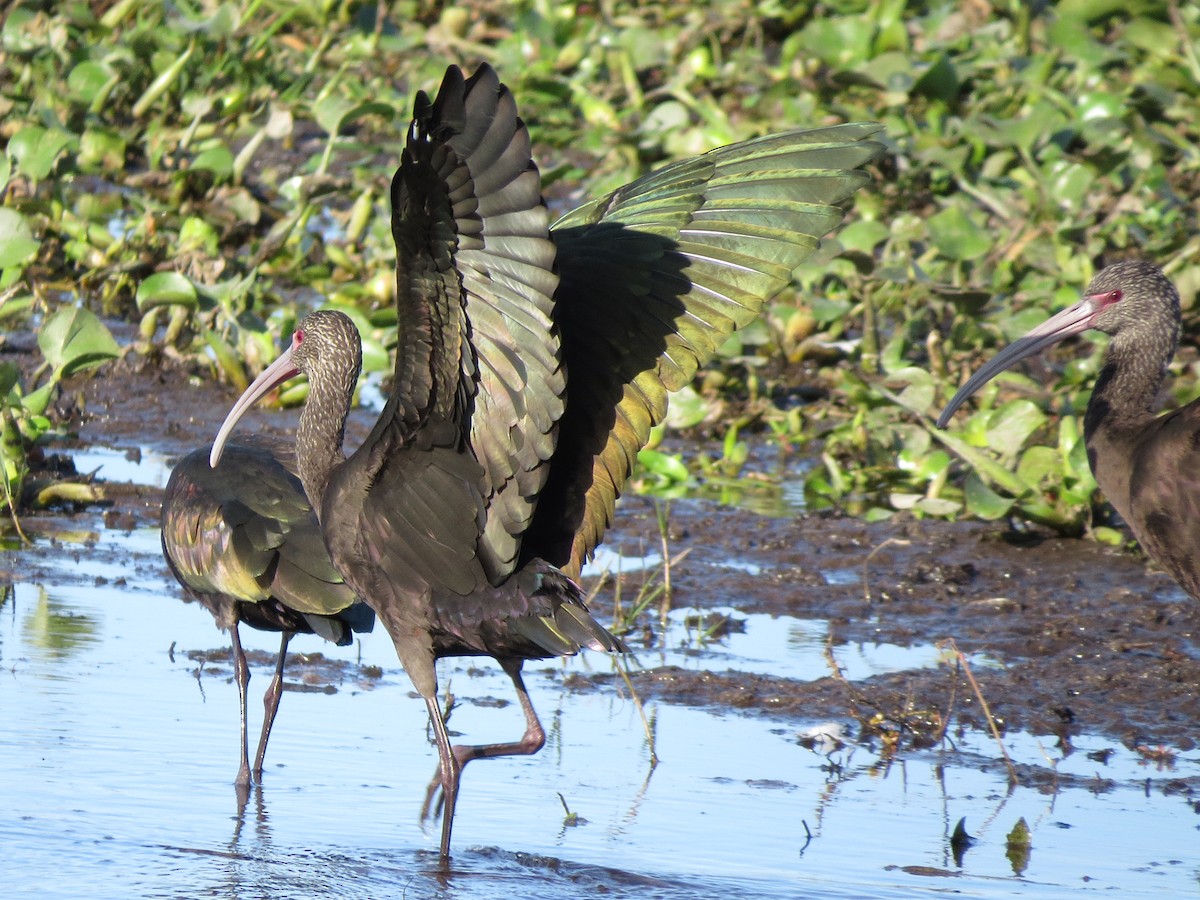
(271, 706)
(453, 759)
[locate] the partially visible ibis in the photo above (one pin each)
(243, 540)
(532, 362)
(1148, 465)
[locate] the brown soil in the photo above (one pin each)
(1090, 639)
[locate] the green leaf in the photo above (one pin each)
(88, 79)
(918, 395)
(17, 243)
(37, 149)
(334, 113)
(687, 408)
(863, 236)
(227, 359)
(74, 340)
(939, 82)
(10, 377)
(1040, 467)
(162, 83)
(165, 289)
(956, 235)
(195, 233)
(1110, 536)
(103, 150)
(217, 160)
(664, 465)
(982, 501)
(35, 402)
(1011, 425)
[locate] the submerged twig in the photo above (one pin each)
(637, 702)
(983, 704)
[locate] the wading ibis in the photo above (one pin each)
(243, 540)
(1145, 463)
(532, 361)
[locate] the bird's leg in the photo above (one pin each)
(449, 771)
(241, 674)
(271, 706)
(531, 742)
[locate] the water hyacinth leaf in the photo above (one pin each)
(73, 340)
(1111, 536)
(956, 235)
(101, 150)
(88, 79)
(219, 26)
(165, 289)
(826, 310)
(35, 402)
(982, 501)
(687, 408)
(843, 42)
(17, 243)
(1040, 466)
(923, 465)
(665, 465)
(981, 463)
(939, 81)
(228, 360)
(18, 35)
(863, 236)
(919, 392)
(1069, 183)
(197, 234)
(333, 113)
(36, 150)
(1011, 425)
(937, 506)
(229, 292)
(217, 160)
(10, 377)
(902, 501)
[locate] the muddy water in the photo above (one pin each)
(118, 743)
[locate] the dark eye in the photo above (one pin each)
(1114, 296)
(298, 337)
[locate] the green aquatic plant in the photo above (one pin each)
(72, 341)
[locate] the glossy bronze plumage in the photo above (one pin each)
(532, 362)
(1145, 463)
(243, 540)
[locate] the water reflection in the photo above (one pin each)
(56, 629)
(115, 771)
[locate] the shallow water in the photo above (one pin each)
(118, 750)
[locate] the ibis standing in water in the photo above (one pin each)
(532, 361)
(243, 540)
(1148, 465)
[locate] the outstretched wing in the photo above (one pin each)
(477, 344)
(652, 279)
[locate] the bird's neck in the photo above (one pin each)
(321, 433)
(1126, 393)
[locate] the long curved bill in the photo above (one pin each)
(1071, 321)
(283, 369)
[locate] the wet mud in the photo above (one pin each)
(1067, 636)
